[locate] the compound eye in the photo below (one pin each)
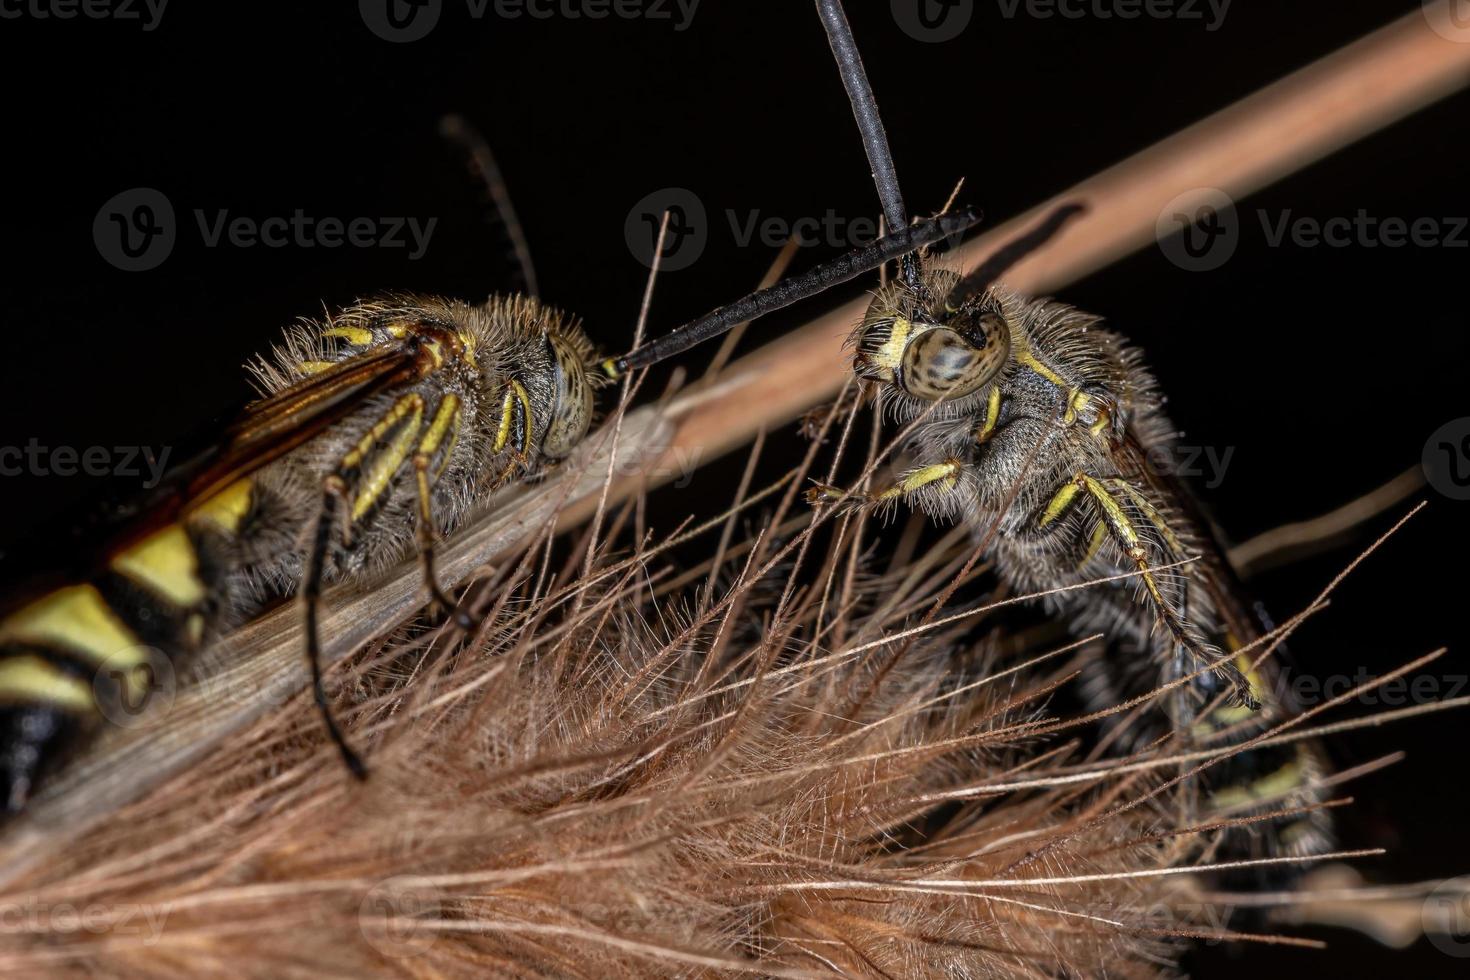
(942, 363)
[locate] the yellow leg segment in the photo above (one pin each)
(1126, 534)
(992, 417)
(444, 426)
(945, 473)
(407, 417)
(514, 392)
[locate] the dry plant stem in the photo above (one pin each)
(1291, 541)
(1286, 126)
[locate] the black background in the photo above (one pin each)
(1325, 369)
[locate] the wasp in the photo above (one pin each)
(1034, 425)
(379, 429)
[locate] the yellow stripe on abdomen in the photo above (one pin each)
(165, 563)
(75, 619)
(227, 509)
(30, 679)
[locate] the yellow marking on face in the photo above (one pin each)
(1272, 786)
(992, 415)
(385, 465)
(166, 563)
(226, 509)
(890, 355)
(75, 619)
(30, 679)
(513, 392)
(398, 330)
(1059, 503)
(314, 367)
(358, 336)
(435, 351)
(1025, 357)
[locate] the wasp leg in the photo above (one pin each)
(946, 474)
(1126, 534)
(444, 424)
(403, 421)
(334, 491)
(515, 429)
(992, 417)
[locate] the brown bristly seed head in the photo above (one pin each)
(597, 797)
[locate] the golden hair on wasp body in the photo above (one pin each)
(377, 431)
(1035, 426)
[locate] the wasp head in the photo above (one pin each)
(916, 339)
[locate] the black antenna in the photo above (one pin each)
(870, 123)
(481, 163)
(855, 263)
(984, 275)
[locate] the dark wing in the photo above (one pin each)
(1213, 571)
(263, 432)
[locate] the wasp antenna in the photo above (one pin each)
(864, 109)
(983, 276)
(855, 263)
(869, 120)
(481, 163)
